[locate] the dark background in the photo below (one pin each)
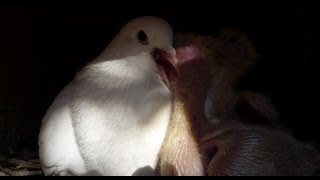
(42, 46)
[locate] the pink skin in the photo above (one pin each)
(180, 152)
(188, 53)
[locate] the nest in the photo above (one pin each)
(20, 164)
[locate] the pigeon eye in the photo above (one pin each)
(143, 38)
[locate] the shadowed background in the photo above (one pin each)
(42, 46)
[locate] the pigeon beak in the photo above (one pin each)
(166, 57)
(167, 62)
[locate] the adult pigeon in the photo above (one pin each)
(112, 118)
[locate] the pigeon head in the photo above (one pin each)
(145, 35)
(141, 35)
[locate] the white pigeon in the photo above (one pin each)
(112, 118)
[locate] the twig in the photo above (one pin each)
(21, 164)
(5, 171)
(8, 172)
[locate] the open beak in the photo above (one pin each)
(167, 63)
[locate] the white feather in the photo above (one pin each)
(112, 118)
